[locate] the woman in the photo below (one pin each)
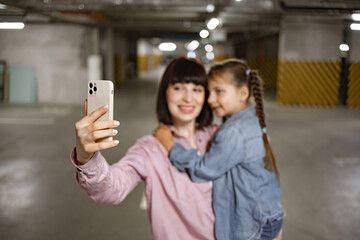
(177, 207)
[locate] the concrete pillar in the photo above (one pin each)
(309, 61)
(143, 50)
(121, 58)
(353, 96)
(109, 54)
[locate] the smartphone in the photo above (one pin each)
(100, 93)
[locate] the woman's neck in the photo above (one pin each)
(187, 130)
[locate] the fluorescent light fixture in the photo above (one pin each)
(191, 55)
(2, 6)
(12, 25)
(167, 46)
(210, 56)
(355, 26)
(210, 8)
(238, 0)
(355, 16)
(194, 44)
(344, 47)
(213, 23)
(204, 33)
(209, 48)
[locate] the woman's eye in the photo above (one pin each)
(177, 88)
(198, 90)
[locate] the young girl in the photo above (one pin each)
(246, 190)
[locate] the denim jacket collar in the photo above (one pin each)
(242, 114)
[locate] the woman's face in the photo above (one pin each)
(185, 102)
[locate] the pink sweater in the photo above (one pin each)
(177, 208)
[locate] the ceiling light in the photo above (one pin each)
(238, 0)
(210, 55)
(191, 55)
(2, 6)
(344, 47)
(192, 45)
(355, 16)
(210, 8)
(213, 23)
(12, 25)
(204, 33)
(209, 48)
(167, 46)
(355, 26)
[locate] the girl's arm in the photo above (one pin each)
(227, 150)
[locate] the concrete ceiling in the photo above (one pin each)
(244, 16)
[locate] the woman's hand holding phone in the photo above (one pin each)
(89, 132)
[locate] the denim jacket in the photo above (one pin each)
(245, 194)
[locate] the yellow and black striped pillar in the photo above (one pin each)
(308, 83)
(353, 93)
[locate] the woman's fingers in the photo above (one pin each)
(100, 125)
(94, 147)
(92, 117)
(96, 135)
(85, 107)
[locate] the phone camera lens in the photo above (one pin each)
(91, 92)
(95, 89)
(90, 85)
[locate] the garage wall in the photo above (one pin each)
(57, 54)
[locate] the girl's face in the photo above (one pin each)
(185, 102)
(225, 98)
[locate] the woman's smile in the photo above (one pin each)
(185, 101)
(188, 109)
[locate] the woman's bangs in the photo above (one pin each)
(197, 78)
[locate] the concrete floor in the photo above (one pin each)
(318, 153)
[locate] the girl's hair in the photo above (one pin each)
(183, 70)
(242, 75)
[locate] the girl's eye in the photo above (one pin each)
(219, 91)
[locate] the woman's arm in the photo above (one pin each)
(102, 182)
(110, 184)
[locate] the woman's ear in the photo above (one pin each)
(244, 93)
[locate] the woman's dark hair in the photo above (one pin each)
(242, 75)
(183, 70)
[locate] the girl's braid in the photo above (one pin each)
(255, 83)
(257, 91)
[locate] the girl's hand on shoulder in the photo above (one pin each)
(163, 134)
(88, 131)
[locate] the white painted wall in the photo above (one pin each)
(355, 46)
(307, 40)
(55, 52)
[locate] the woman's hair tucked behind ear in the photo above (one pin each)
(243, 76)
(257, 91)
